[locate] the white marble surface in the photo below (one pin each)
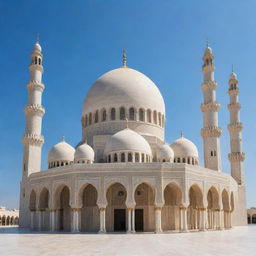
(236, 242)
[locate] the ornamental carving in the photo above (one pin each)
(33, 139)
(34, 85)
(212, 131)
(234, 106)
(209, 85)
(236, 157)
(34, 108)
(210, 107)
(236, 127)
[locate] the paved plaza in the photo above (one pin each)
(236, 242)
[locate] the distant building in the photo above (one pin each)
(8, 217)
(251, 215)
(122, 175)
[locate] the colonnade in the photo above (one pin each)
(9, 220)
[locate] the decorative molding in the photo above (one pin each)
(35, 85)
(209, 85)
(210, 107)
(235, 127)
(33, 139)
(236, 157)
(34, 108)
(212, 131)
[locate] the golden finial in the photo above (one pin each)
(124, 58)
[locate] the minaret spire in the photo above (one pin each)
(210, 107)
(34, 111)
(236, 157)
(124, 58)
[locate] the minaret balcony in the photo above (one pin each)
(233, 91)
(33, 67)
(234, 106)
(35, 109)
(35, 85)
(210, 107)
(236, 157)
(33, 139)
(212, 131)
(208, 67)
(208, 85)
(235, 127)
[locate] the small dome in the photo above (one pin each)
(37, 47)
(127, 140)
(84, 152)
(233, 75)
(61, 151)
(165, 153)
(183, 147)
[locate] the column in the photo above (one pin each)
(129, 229)
(52, 220)
(221, 219)
(39, 219)
(32, 219)
(158, 224)
(184, 220)
(195, 219)
(133, 220)
(75, 220)
(202, 219)
(102, 220)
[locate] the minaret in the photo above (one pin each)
(210, 132)
(236, 157)
(34, 111)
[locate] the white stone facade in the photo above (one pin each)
(8, 217)
(122, 176)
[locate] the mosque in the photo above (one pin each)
(122, 176)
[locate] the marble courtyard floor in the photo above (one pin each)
(234, 242)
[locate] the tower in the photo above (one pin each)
(34, 111)
(236, 156)
(210, 132)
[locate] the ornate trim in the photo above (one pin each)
(158, 208)
(212, 131)
(210, 107)
(208, 85)
(236, 157)
(102, 209)
(235, 127)
(34, 108)
(34, 85)
(234, 106)
(33, 139)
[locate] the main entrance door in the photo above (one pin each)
(139, 225)
(119, 220)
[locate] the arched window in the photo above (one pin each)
(129, 157)
(113, 114)
(35, 60)
(96, 117)
(149, 117)
(39, 61)
(159, 119)
(90, 118)
(184, 160)
(188, 160)
(137, 157)
(58, 164)
(193, 162)
(155, 117)
(141, 115)
(178, 160)
(131, 114)
(104, 115)
(115, 157)
(122, 157)
(86, 120)
(142, 158)
(163, 160)
(109, 158)
(122, 113)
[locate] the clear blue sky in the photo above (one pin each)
(83, 39)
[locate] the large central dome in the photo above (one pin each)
(123, 87)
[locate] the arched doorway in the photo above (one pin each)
(90, 215)
(254, 219)
(1, 221)
(249, 219)
(171, 208)
(44, 209)
(145, 208)
(12, 220)
(4, 220)
(8, 221)
(64, 209)
(116, 217)
(225, 204)
(213, 208)
(32, 208)
(195, 203)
